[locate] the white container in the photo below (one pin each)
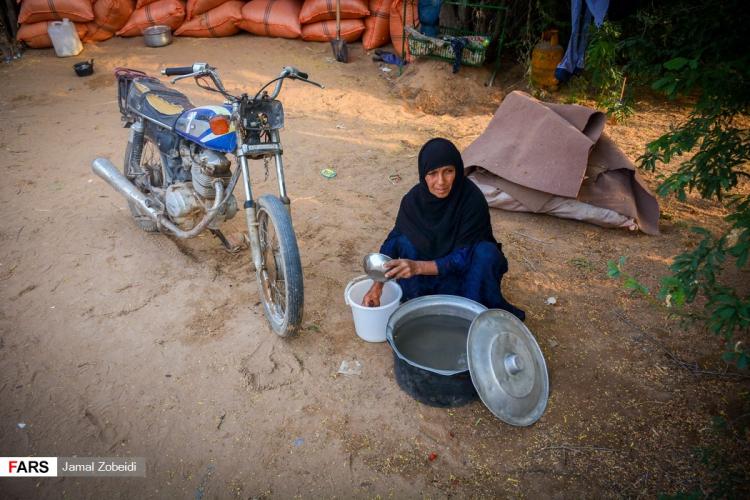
(64, 38)
(370, 322)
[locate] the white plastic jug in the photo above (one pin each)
(370, 322)
(64, 38)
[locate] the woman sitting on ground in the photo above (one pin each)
(442, 242)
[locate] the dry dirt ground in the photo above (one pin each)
(115, 342)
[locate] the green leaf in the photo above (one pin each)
(633, 284)
(729, 356)
(742, 361)
(613, 270)
(662, 83)
(676, 63)
(725, 312)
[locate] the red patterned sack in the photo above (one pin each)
(169, 12)
(324, 31)
(322, 10)
(272, 18)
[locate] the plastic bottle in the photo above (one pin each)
(64, 38)
(544, 59)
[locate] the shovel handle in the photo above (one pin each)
(338, 19)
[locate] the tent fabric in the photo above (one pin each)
(538, 150)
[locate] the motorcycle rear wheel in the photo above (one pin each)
(280, 279)
(152, 162)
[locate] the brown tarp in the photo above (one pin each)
(538, 150)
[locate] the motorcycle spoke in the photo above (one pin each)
(274, 284)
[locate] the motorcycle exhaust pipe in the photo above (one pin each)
(107, 171)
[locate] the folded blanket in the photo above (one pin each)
(538, 150)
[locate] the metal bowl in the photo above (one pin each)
(157, 36)
(374, 265)
(84, 68)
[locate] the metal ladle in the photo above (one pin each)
(374, 265)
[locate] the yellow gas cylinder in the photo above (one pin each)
(545, 57)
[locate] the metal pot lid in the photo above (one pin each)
(507, 367)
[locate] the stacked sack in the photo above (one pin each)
(211, 18)
(379, 22)
(151, 13)
(278, 18)
(377, 25)
(109, 17)
(397, 24)
(318, 20)
(35, 16)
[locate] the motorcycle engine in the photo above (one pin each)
(187, 202)
(207, 166)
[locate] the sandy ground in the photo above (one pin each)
(115, 342)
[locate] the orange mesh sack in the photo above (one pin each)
(221, 21)
(169, 12)
(377, 25)
(323, 10)
(35, 34)
(109, 16)
(95, 33)
(36, 11)
(142, 3)
(324, 31)
(397, 24)
(198, 7)
(278, 18)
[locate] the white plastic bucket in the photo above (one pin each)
(370, 322)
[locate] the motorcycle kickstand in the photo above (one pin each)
(233, 246)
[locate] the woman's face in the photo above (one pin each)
(440, 180)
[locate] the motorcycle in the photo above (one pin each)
(178, 180)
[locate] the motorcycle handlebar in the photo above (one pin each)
(296, 74)
(178, 71)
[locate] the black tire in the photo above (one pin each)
(281, 267)
(143, 221)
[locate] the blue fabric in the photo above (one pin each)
(429, 16)
(458, 44)
(474, 272)
(391, 58)
(582, 15)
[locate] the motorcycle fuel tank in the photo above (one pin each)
(195, 125)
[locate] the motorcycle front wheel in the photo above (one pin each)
(280, 275)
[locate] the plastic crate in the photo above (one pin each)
(440, 48)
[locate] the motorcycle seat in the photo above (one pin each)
(152, 99)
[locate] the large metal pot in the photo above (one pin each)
(447, 350)
(440, 385)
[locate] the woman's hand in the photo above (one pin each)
(372, 297)
(406, 268)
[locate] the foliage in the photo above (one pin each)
(606, 77)
(522, 22)
(615, 270)
(690, 50)
(695, 51)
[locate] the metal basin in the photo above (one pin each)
(449, 350)
(428, 337)
(157, 36)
